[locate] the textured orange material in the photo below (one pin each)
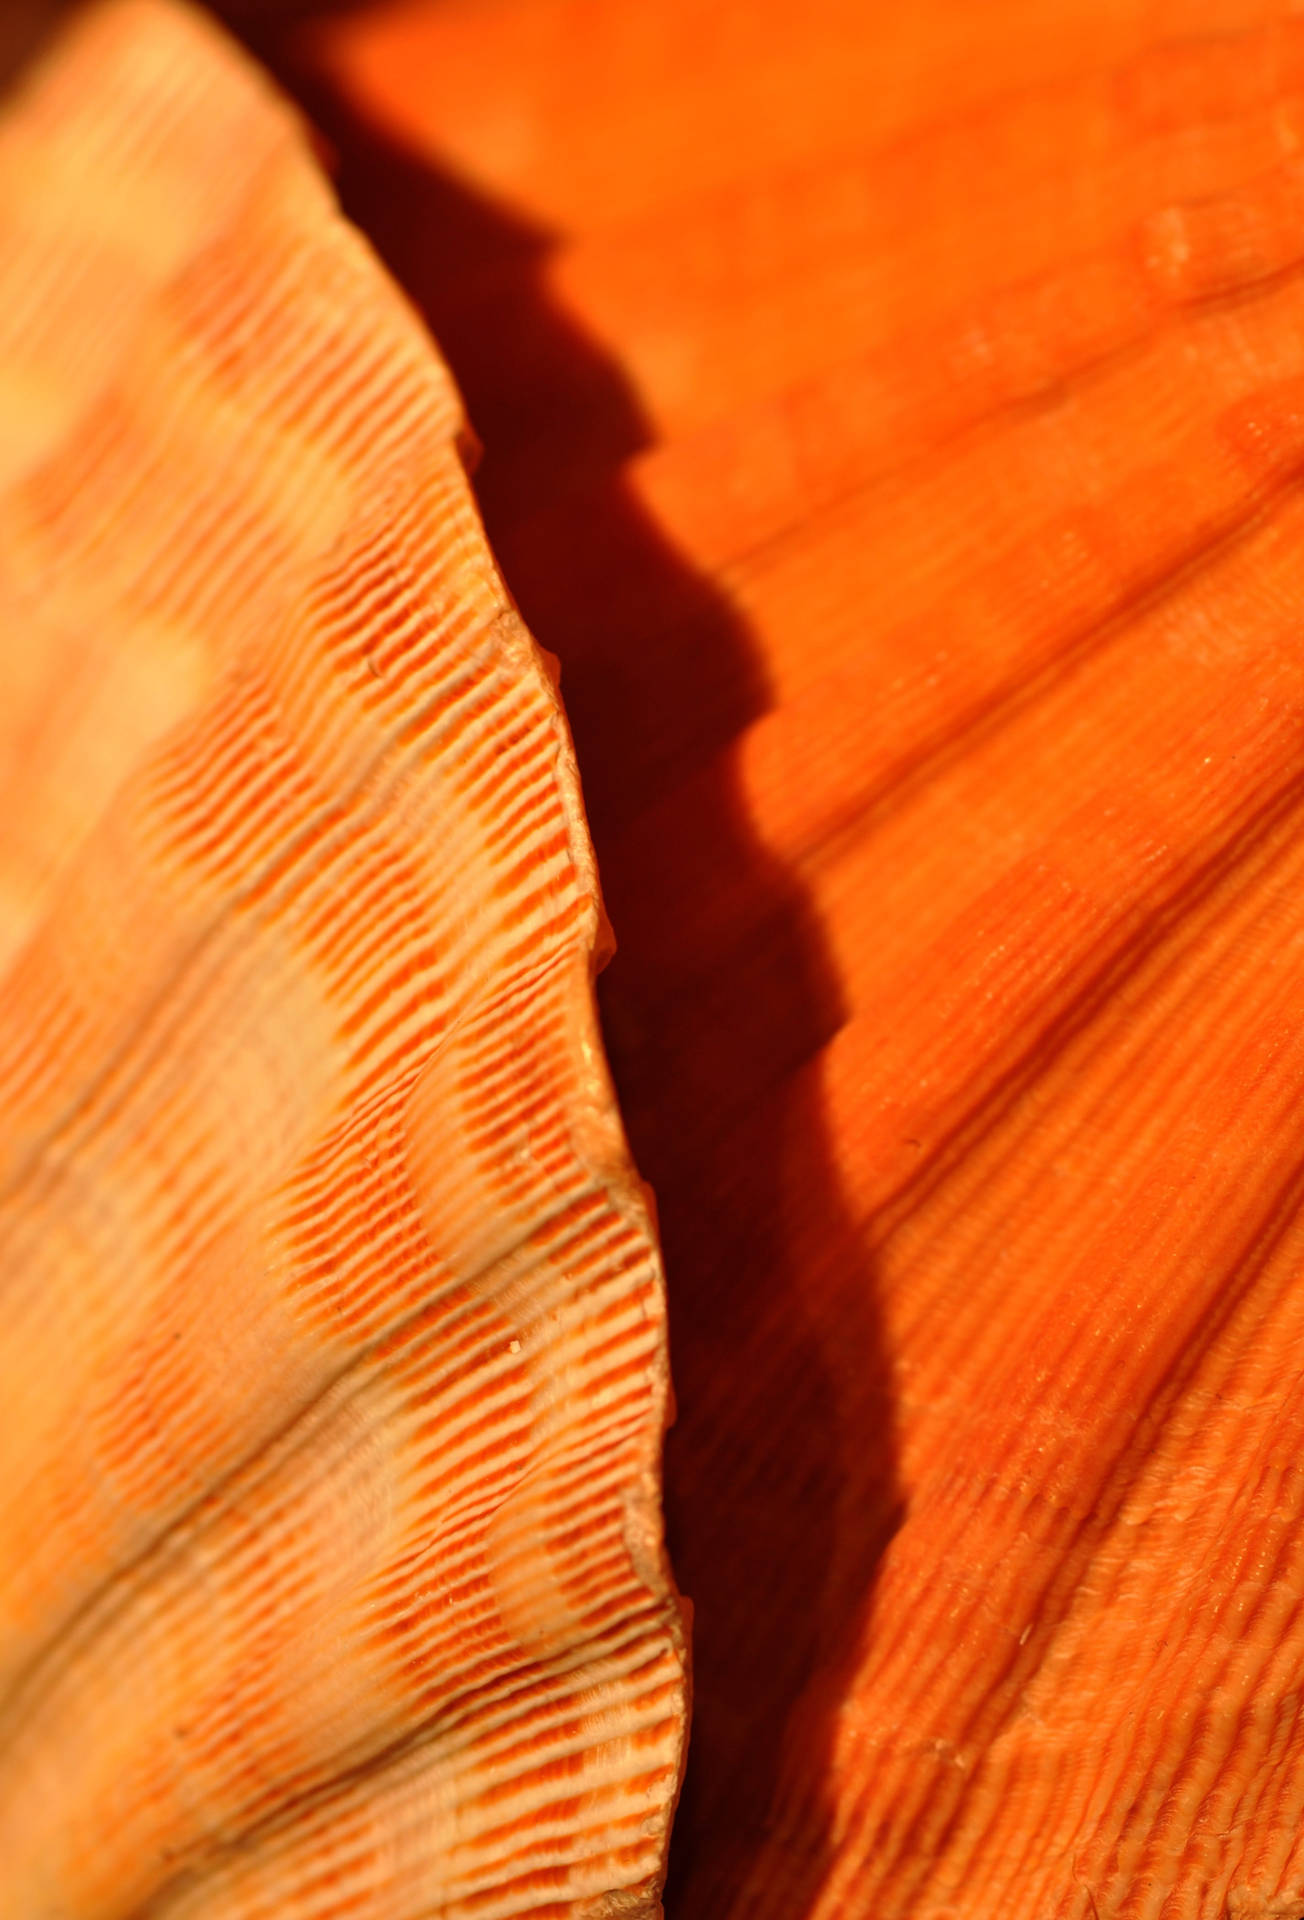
(331, 1338)
(892, 418)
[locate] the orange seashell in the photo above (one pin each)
(331, 1338)
(892, 419)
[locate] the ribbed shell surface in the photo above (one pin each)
(928, 580)
(332, 1373)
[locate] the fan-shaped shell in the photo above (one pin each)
(332, 1372)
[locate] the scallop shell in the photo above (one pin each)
(927, 580)
(331, 1332)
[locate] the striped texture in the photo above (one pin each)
(920, 529)
(332, 1367)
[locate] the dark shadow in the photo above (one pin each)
(780, 1487)
(25, 28)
